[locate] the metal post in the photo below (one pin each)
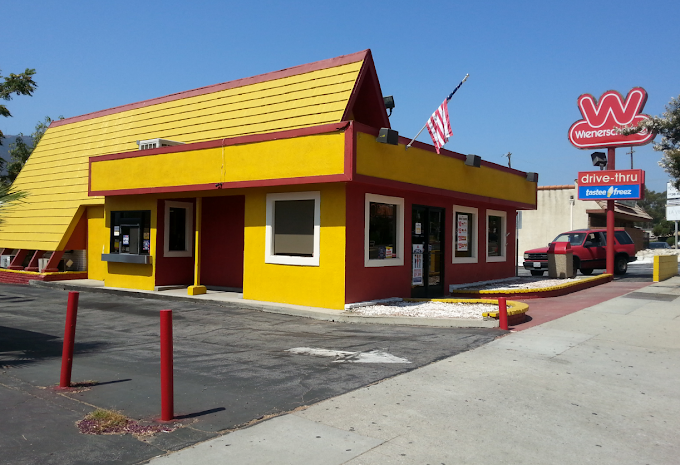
(676, 235)
(69, 339)
(167, 388)
(502, 313)
(611, 165)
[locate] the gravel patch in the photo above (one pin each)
(523, 283)
(470, 311)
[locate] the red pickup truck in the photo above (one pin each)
(589, 249)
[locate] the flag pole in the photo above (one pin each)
(447, 99)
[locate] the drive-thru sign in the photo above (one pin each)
(611, 185)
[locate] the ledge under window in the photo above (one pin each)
(126, 258)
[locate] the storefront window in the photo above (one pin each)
(496, 235)
(293, 228)
(178, 229)
(384, 231)
(464, 234)
(131, 232)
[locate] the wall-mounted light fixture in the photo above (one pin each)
(599, 159)
(388, 136)
(532, 177)
(389, 104)
(473, 160)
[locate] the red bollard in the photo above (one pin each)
(69, 339)
(502, 313)
(167, 393)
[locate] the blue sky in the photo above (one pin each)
(528, 61)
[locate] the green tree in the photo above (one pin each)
(654, 203)
(19, 151)
(667, 126)
(19, 84)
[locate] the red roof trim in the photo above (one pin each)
(287, 72)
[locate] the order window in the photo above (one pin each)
(131, 232)
(384, 245)
(293, 228)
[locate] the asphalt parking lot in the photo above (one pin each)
(231, 367)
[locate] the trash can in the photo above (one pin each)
(561, 260)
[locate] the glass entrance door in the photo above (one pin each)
(427, 266)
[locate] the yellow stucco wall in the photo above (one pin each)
(129, 275)
(426, 168)
(316, 286)
(97, 237)
(316, 155)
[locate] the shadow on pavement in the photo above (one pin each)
(19, 347)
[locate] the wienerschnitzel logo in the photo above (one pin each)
(600, 122)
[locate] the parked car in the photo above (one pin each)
(589, 249)
(659, 245)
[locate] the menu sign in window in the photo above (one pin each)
(462, 233)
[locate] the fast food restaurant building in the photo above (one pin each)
(273, 184)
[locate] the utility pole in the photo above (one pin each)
(631, 156)
(509, 154)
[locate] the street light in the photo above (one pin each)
(599, 159)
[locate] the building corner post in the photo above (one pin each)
(197, 288)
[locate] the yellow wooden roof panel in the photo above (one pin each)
(56, 176)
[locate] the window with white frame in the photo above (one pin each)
(178, 229)
(384, 231)
(293, 228)
(496, 235)
(464, 229)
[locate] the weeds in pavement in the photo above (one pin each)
(103, 421)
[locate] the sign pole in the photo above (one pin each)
(611, 165)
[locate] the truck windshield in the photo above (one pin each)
(572, 238)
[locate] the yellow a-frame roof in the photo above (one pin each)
(55, 177)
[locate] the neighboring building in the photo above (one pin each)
(273, 184)
(559, 209)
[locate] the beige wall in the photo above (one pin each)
(554, 214)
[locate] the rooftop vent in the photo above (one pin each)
(156, 143)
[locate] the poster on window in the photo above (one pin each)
(116, 230)
(146, 245)
(389, 252)
(462, 228)
(418, 250)
(126, 239)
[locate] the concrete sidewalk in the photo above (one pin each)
(596, 386)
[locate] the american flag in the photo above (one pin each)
(439, 126)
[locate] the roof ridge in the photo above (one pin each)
(270, 76)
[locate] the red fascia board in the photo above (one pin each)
(228, 185)
(430, 148)
(442, 192)
(287, 72)
(367, 72)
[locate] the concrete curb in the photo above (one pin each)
(322, 314)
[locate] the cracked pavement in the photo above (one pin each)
(230, 369)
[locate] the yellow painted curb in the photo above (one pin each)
(514, 308)
(602, 277)
(38, 273)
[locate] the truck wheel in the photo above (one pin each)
(620, 264)
(586, 271)
(536, 273)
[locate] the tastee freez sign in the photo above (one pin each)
(611, 185)
(602, 119)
